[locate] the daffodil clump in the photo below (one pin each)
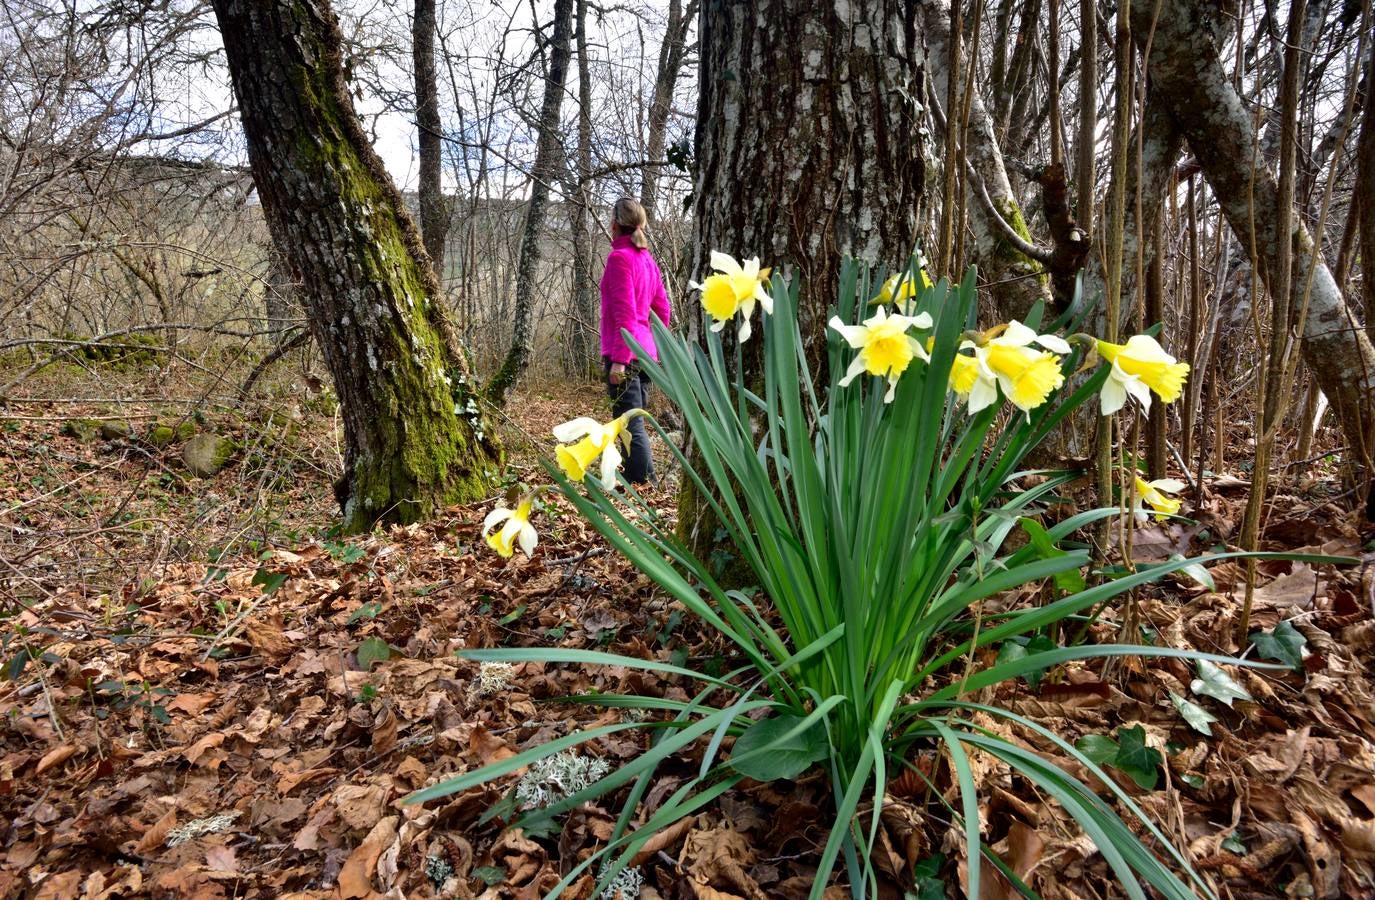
(872, 505)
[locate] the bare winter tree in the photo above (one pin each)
(415, 437)
(546, 168)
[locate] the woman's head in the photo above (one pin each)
(628, 217)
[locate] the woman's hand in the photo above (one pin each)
(617, 373)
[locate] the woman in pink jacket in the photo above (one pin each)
(632, 287)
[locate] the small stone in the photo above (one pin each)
(161, 435)
(206, 454)
(84, 430)
(113, 431)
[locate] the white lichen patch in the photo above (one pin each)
(491, 678)
(625, 886)
(198, 827)
(556, 777)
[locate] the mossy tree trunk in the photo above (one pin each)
(415, 438)
(809, 147)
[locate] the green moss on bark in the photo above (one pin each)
(1008, 254)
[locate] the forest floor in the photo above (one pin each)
(207, 694)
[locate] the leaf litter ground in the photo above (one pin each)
(186, 721)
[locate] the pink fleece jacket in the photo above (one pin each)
(632, 286)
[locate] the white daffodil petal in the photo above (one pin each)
(576, 429)
(855, 335)
(1112, 397)
(718, 326)
(611, 461)
(751, 267)
(923, 320)
(983, 394)
(1016, 335)
(1169, 485)
(857, 367)
(918, 349)
(496, 516)
(892, 388)
(1054, 343)
(724, 262)
(528, 538)
(765, 299)
(745, 330)
(1138, 389)
(1147, 349)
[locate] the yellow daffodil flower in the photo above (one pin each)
(902, 294)
(1153, 494)
(734, 287)
(584, 439)
(515, 528)
(964, 372)
(1140, 366)
(885, 348)
(1007, 360)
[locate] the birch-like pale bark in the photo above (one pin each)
(1187, 74)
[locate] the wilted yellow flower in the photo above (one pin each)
(734, 287)
(1026, 375)
(585, 439)
(516, 528)
(1153, 494)
(1140, 366)
(885, 348)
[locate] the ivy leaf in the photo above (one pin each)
(1071, 581)
(489, 875)
(1098, 747)
(1285, 644)
(368, 610)
(1134, 758)
(372, 650)
(269, 581)
(1197, 717)
(783, 758)
(926, 878)
(1216, 683)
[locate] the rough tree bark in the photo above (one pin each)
(434, 210)
(583, 315)
(672, 52)
(546, 169)
(414, 436)
(1014, 279)
(808, 148)
(1188, 75)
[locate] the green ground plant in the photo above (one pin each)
(875, 516)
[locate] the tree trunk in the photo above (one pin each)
(1189, 77)
(1015, 280)
(671, 54)
(1365, 195)
(546, 168)
(414, 437)
(809, 148)
(838, 169)
(434, 210)
(583, 314)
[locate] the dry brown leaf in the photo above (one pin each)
(192, 704)
(360, 806)
(664, 839)
(200, 753)
(55, 757)
(221, 858)
(487, 748)
(156, 834)
(268, 640)
(355, 878)
(60, 886)
(384, 732)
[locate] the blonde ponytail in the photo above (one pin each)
(630, 220)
